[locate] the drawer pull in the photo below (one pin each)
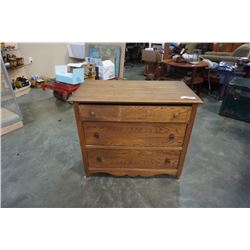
(92, 113)
(176, 115)
(171, 137)
(96, 135)
(99, 159)
(167, 161)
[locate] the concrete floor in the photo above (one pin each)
(42, 165)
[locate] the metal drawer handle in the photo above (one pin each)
(96, 135)
(176, 115)
(167, 161)
(92, 113)
(99, 159)
(171, 137)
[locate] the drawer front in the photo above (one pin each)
(132, 158)
(136, 113)
(134, 134)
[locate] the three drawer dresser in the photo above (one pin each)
(134, 128)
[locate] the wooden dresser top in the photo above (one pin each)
(123, 91)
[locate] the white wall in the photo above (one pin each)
(44, 57)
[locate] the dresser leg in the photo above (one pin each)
(85, 173)
(177, 177)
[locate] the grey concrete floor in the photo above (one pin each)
(42, 165)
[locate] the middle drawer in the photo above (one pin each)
(134, 134)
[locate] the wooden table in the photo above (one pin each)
(195, 79)
(134, 127)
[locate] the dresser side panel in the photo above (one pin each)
(81, 138)
(186, 140)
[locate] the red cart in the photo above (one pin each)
(61, 91)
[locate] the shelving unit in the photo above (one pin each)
(18, 92)
(18, 67)
(11, 117)
(13, 73)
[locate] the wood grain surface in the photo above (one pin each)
(201, 64)
(133, 171)
(81, 138)
(134, 113)
(132, 158)
(134, 134)
(146, 92)
(186, 140)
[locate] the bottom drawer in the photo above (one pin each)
(132, 158)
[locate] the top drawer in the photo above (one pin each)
(92, 112)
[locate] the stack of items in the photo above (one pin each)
(8, 46)
(36, 81)
(152, 57)
(90, 71)
(92, 68)
(96, 66)
(105, 68)
(12, 61)
(20, 82)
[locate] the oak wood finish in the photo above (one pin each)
(134, 127)
(134, 134)
(186, 141)
(133, 172)
(137, 113)
(132, 158)
(134, 147)
(81, 138)
(134, 92)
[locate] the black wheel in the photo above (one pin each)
(66, 97)
(70, 102)
(61, 96)
(57, 95)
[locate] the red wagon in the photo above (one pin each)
(61, 91)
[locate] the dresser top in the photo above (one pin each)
(124, 91)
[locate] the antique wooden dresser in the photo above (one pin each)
(134, 127)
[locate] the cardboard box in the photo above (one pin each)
(106, 70)
(71, 66)
(76, 75)
(151, 56)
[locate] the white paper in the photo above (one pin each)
(76, 50)
(188, 97)
(75, 65)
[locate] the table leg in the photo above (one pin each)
(193, 77)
